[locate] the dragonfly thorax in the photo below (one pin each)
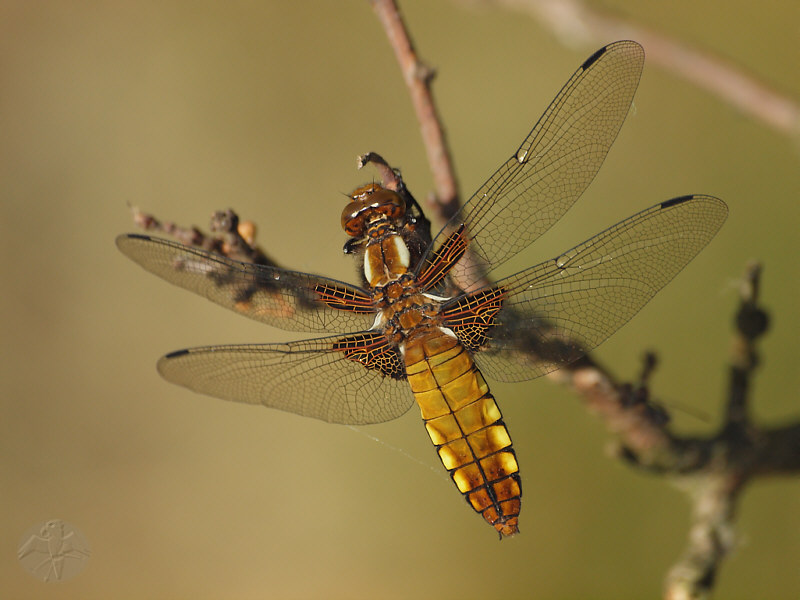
(386, 259)
(409, 315)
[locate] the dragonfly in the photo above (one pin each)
(428, 321)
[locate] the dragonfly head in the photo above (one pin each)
(371, 203)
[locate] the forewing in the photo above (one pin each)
(285, 299)
(314, 378)
(555, 312)
(553, 166)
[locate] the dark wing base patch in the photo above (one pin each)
(438, 265)
(374, 352)
(471, 316)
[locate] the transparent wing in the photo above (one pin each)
(555, 312)
(285, 299)
(553, 166)
(309, 378)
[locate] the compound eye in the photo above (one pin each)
(396, 208)
(353, 219)
(388, 203)
(367, 202)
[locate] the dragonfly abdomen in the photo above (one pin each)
(466, 426)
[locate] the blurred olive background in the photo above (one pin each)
(182, 108)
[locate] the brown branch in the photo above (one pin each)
(576, 23)
(625, 411)
(712, 470)
(751, 322)
(229, 236)
(710, 539)
(715, 487)
(390, 178)
(418, 78)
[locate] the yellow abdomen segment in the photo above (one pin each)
(465, 424)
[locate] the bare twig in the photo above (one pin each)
(390, 178)
(639, 425)
(711, 470)
(418, 78)
(230, 236)
(574, 23)
(734, 457)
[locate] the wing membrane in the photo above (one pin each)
(309, 378)
(557, 311)
(553, 166)
(284, 299)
